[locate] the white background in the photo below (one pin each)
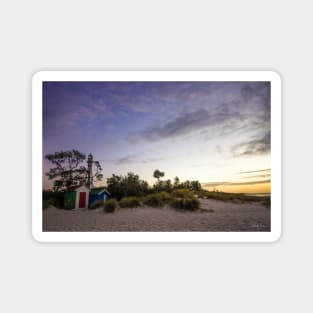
(258, 35)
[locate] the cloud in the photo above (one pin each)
(136, 159)
(125, 160)
(224, 183)
(151, 160)
(257, 171)
(218, 111)
(201, 164)
(182, 124)
(258, 176)
(188, 122)
(257, 146)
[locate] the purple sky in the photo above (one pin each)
(210, 131)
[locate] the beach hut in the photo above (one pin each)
(97, 194)
(82, 196)
(70, 199)
(76, 198)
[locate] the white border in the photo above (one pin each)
(271, 76)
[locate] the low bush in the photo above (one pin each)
(110, 205)
(267, 202)
(129, 202)
(202, 194)
(46, 204)
(97, 204)
(54, 198)
(187, 203)
(182, 193)
(157, 199)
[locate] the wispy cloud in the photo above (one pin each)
(258, 176)
(151, 160)
(125, 160)
(201, 164)
(257, 171)
(245, 108)
(129, 159)
(226, 183)
(192, 121)
(256, 146)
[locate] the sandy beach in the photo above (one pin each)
(227, 216)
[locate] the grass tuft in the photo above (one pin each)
(110, 205)
(129, 202)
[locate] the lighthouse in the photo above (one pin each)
(89, 178)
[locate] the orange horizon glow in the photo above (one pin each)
(254, 188)
(217, 133)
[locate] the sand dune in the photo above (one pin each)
(227, 216)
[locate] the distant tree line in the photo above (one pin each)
(70, 171)
(131, 185)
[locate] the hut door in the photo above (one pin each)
(82, 200)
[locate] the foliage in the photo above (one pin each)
(190, 185)
(132, 186)
(45, 204)
(266, 201)
(184, 199)
(187, 203)
(54, 198)
(129, 202)
(233, 197)
(97, 204)
(182, 193)
(165, 185)
(168, 186)
(110, 205)
(68, 171)
(158, 174)
(127, 186)
(176, 183)
(157, 199)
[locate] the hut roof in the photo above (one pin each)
(98, 191)
(75, 188)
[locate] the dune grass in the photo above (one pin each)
(110, 205)
(129, 202)
(233, 197)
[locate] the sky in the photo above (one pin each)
(214, 132)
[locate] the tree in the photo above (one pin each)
(158, 174)
(69, 171)
(127, 186)
(176, 182)
(195, 185)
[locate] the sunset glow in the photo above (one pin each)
(214, 132)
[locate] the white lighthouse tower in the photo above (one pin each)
(90, 177)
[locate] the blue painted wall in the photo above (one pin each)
(94, 197)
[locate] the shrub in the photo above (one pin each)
(191, 204)
(127, 186)
(46, 204)
(182, 193)
(176, 203)
(164, 196)
(129, 202)
(96, 204)
(54, 198)
(267, 202)
(110, 205)
(157, 199)
(202, 194)
(187, 203)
